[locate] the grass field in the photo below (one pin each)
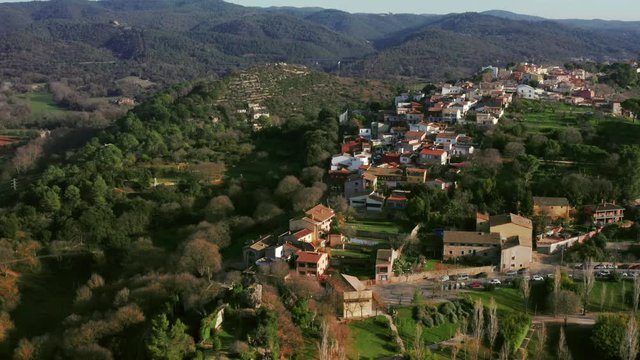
(42, 103)
(371, 339)
(374, 226)
(507, 299)
(349, 254)
(407, 329)
(613, 300)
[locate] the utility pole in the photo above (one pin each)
(14, 184)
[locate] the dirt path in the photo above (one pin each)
(394, 329)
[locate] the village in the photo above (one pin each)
(419, 143)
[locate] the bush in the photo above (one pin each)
(419, 312)
(489, 287)
(428, 322)
(447, 308)
(514, 329)
(453, 318)
(439, 319)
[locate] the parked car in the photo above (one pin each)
(550, 275)
(482, 275)
(512, 273)
(537, 278)
(599, 266)
(495, 282)
(523, 270)
(475, 285)
(463, 277)
(444, 278)
(577, 266)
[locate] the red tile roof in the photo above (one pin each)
(320, 213)
(309, 257)
(302, 233)
(432, 152)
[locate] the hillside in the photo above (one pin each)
(168, 41)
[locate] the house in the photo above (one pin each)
(322, 215)
(448, 89)
(384, 264)
(318, 221)
(515, 254)
(486, 119)
(354, 185)
(432, 157)
(407, 158)
(440, 184)
(257, 249)
(553, 208)
(349, 162)
(355, 300)
(415, 135)
(416, 176)
(605, 213)
(444, 138)
(451, 115)
(462, 150)
(397, 201)
(510, 225)
(471, 244)
(526, 92)
(383, 176)
(337, 240)
(312, 263)
(407, 146)
(370, 201)
(304, 235)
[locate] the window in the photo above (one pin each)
(450, 252)
(513, 258)
(462, 252)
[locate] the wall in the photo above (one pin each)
(357, 304)
(552, 248)
(435, 274)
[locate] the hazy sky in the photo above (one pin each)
(559, 9)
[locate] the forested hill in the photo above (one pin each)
(108, 240)
(167, 41)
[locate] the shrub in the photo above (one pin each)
(419, 312)
(439, 319)
(428, 322)
(447, 308)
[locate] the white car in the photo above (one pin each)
(512, 273)
(495, 282)
(444, 278)
(537, 278)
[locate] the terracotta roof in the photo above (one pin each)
(320, 213)
(416, 170)
(502, 219)
(396, 198)
(482, 216)
(415, 134)
(471, 237)
(302, 233)
(432, 152)
(310, 257)
(606, 207)
(446, 135)
(550, 201)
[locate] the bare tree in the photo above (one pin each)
(557, 282)
(629, 345)
(478, 311)
(492, 326)
(201, 257)
(504, 352)
(563, 349)
(636, 293)
(324, 346)
(525, 291)
(588, 282)
(541, 341)
(419, 350)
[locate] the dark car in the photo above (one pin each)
(482, 275)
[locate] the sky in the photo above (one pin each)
(553, 9)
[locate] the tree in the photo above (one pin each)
(636, 293)
(419, 350)
(287, 187)
(492, 326)
(563, 349)
(525, 290)
(338, 203)
(219, 207)
(478, 318)
(312, 174)
(266, 211)
(629, 346)
(588, 283)
(306, 198)
(608, 334)
(201, 257)
(168, 342)
(541, 341)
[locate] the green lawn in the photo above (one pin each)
(507, 299)
(371, 339)
(407, 329)
(349, 254)
(613, 296)
(42, 103)
(375, 226)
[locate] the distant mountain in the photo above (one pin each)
(167, 41)
(456, 45)
(512, 16)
